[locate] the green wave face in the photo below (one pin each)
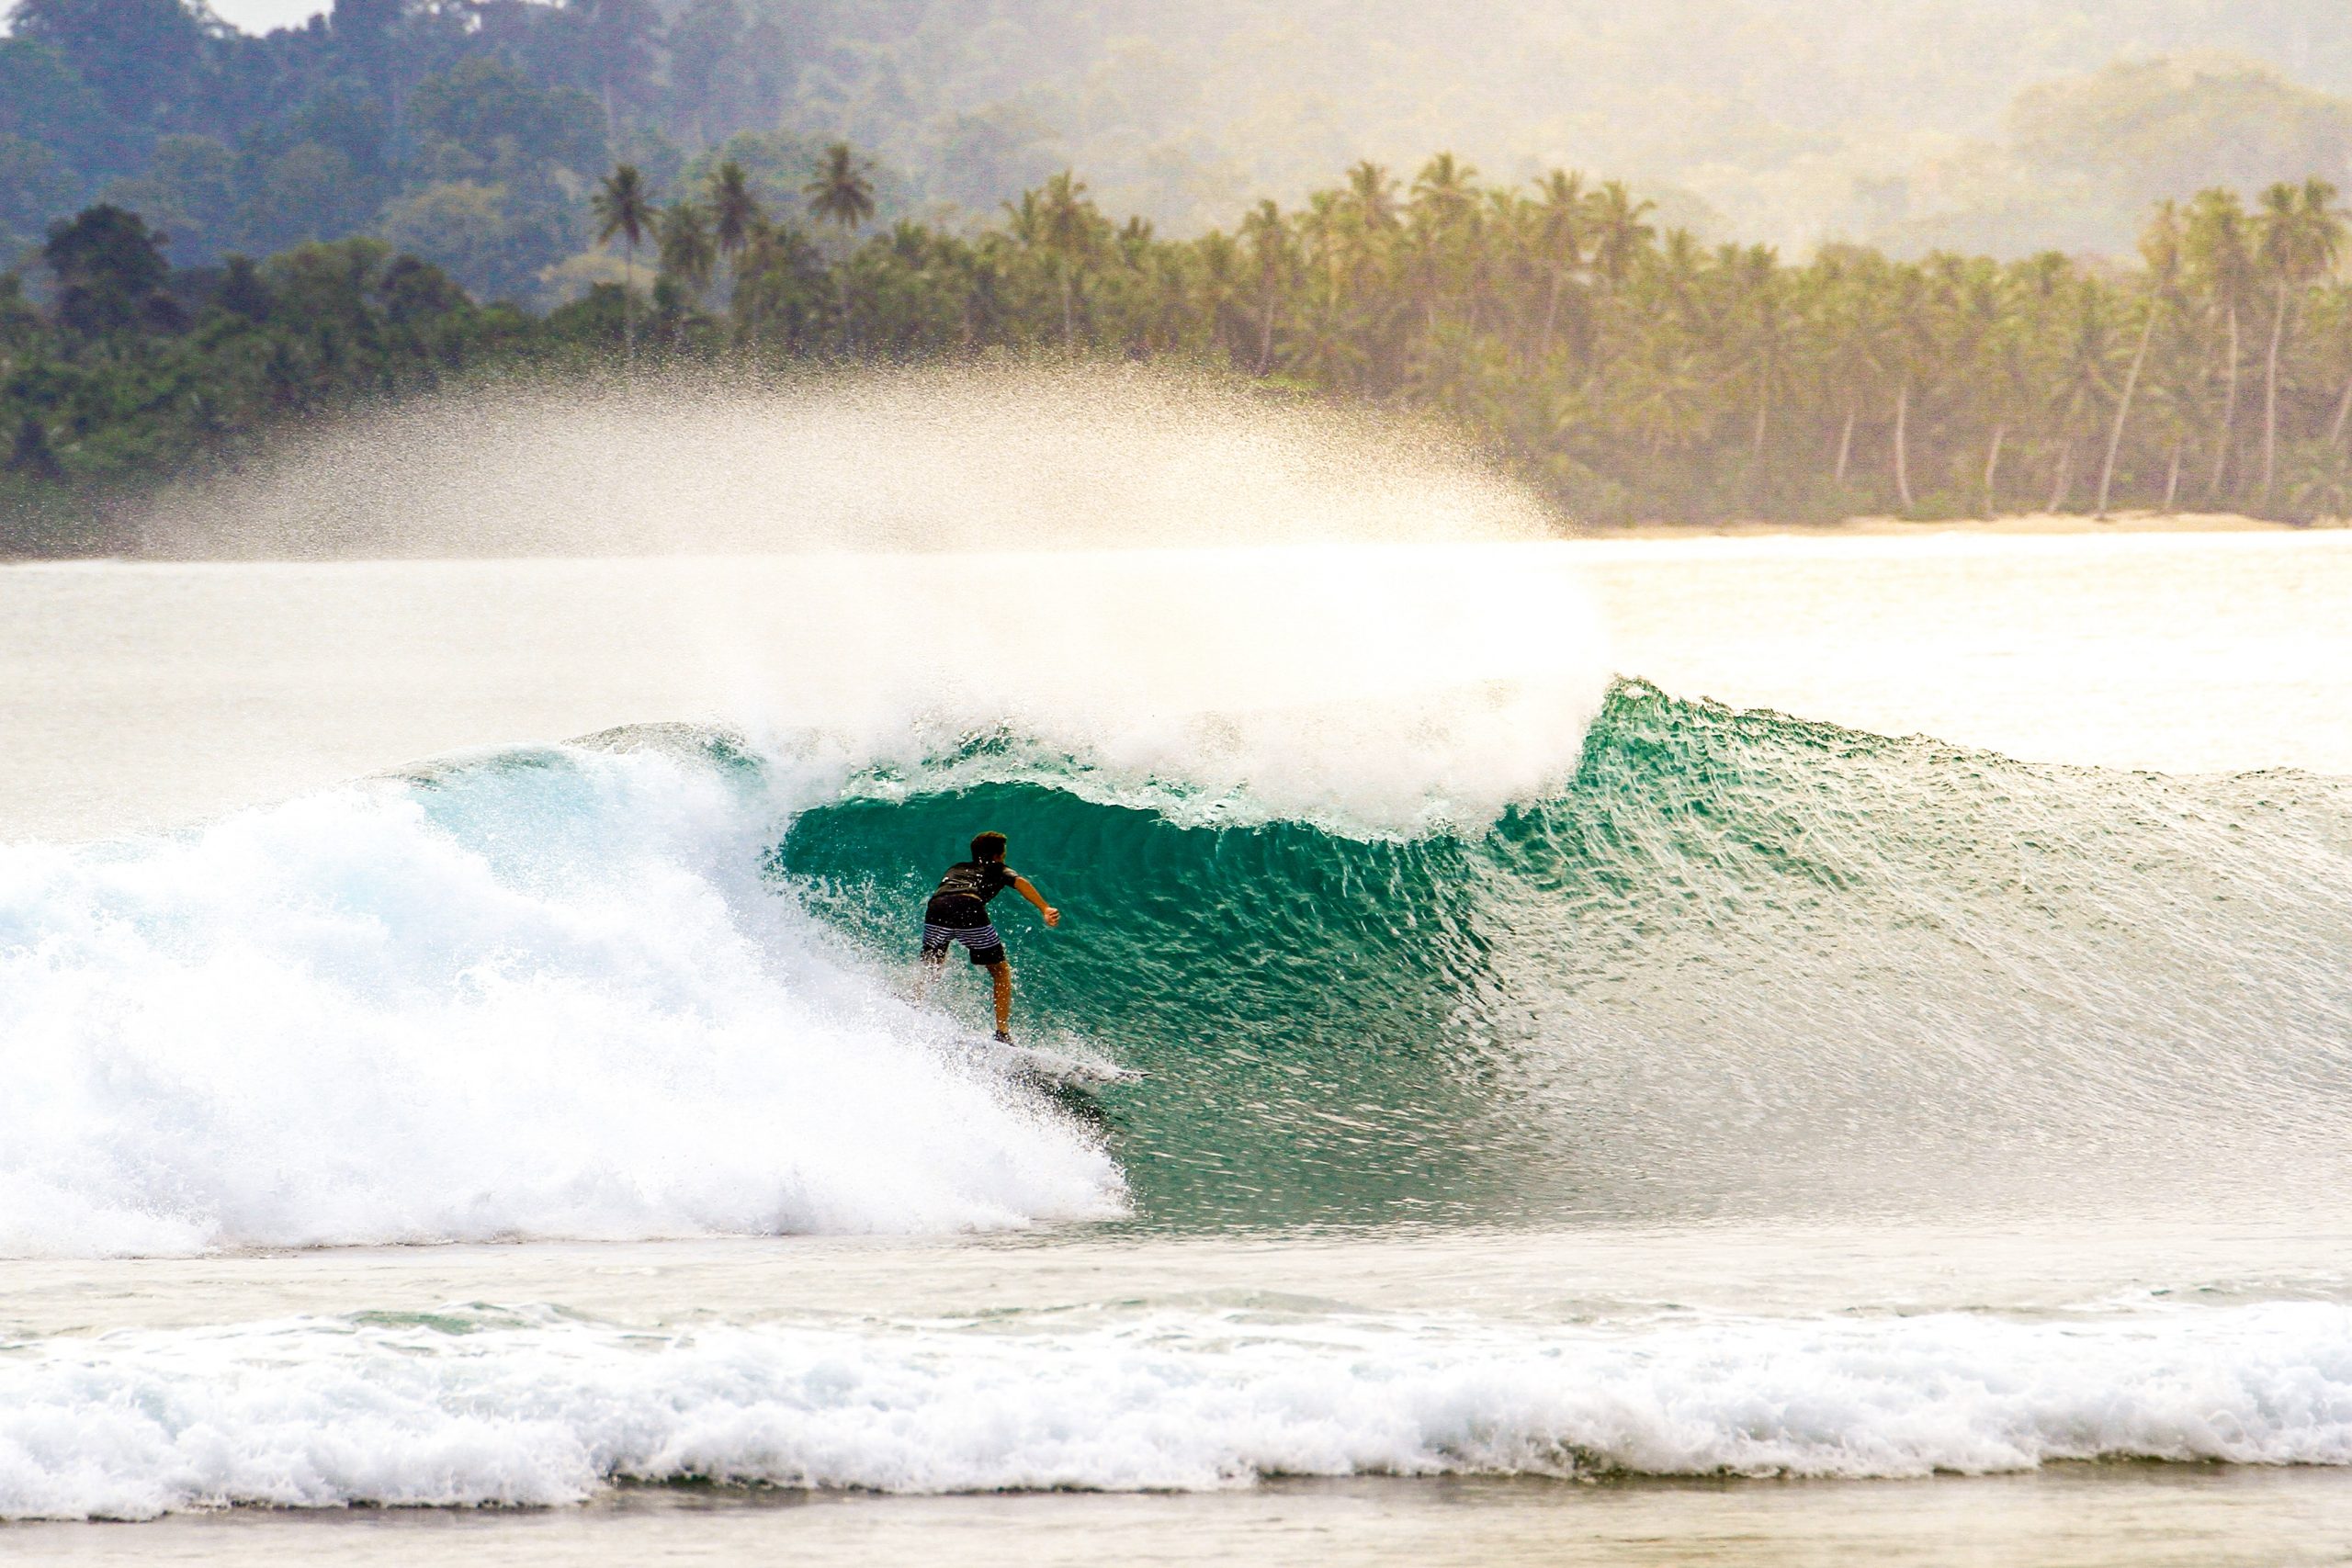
(1743, 964)
(1299, 998)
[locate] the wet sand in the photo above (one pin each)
(2081, 1515)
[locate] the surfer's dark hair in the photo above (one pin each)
(988, 846)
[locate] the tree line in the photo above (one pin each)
(1629, 370)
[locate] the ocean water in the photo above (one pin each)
(1723, 1050)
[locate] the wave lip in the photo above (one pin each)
(476, 1405)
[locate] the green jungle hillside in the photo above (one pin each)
(469, 132)
(1838, 273)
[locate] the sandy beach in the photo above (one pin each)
(2022, 523)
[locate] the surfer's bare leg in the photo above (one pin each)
(1002, 972)
(927, 968)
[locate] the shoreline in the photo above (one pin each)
(2029, 524)
(2046, 524)
(2111, 1514)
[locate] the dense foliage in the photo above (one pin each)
(464, 131)
(1632, 372)
(469, 132)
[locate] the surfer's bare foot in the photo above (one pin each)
(1002, 1038)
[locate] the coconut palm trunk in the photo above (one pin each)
(2229, 414)
(2270, 394)
(2342, 412)
(629, 298)
(1845, 445)
(1551, 319)
(1902, 445)
(2172, 478)
(2123, 411)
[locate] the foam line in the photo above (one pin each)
(477, 1407)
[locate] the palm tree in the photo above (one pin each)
(1856, 339)
(1134, 241)
(840, 193)
(1373, 195)
(734, 215)
(686, 248)
(1680, 263)
(2300, 235)
(2004, 366)
(2277, 242)
(1268, 238)
(2338, 301)
(1443, 206)
(1914, 312)
(1220, 287)
(1444, 187)
(1324, 232)
(1619, 237)
(1762, 347)
(1560, 229)
(1827, 306)
(624, 206)
(1324, 347)
(2214, 247)
(1070, 230)
(1972, 358)
(2160, 245)
(1504, 265)
(780, 270)
(1666, 394)
(2085, 355)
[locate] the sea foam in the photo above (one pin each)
(481, 1406)
(550, 994)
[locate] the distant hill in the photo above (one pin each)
(470, 130)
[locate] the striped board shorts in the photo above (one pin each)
(981, 942)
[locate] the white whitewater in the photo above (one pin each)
(550, 1000)
(473, 1406)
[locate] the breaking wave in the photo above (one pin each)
(655, 985)
(481, 1406)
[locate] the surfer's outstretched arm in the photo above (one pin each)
(1021, 885)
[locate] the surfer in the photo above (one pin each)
(958, 912)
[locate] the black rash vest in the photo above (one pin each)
(979, 879)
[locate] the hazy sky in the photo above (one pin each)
(260, 16)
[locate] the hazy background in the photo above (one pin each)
(2002, 127)
(1997, 125)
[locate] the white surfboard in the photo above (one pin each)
(1053, 1067)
